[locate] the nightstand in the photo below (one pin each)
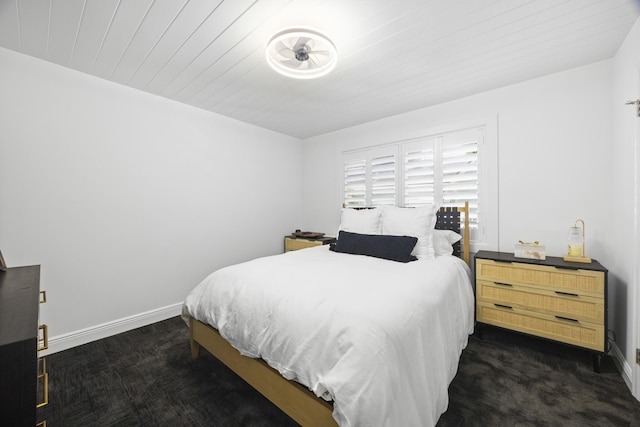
(292, 243)
(561, 301)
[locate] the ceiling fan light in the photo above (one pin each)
(301, 53)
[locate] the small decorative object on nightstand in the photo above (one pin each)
(575, 242)
(529, 250)
(554, 299)
(305, 239)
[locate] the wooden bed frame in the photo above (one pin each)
(291, 397)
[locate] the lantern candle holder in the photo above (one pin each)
(575, 243)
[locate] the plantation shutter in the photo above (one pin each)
(355, 183)
(370, 177)
(419, 168)
(383, 180)
(460, 171)
(442, 168)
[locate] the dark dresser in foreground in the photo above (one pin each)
(20, 297)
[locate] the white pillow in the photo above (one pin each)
(417, 222)
(363, 221)
(443, 241)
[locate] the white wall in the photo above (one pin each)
(128, 200)
(624, 281)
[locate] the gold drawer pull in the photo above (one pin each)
(503, 284)
(43, 297)
(45, 385)
(567, 319)
(42, 423)
(566, 294)
(45, 338)
(503, 306)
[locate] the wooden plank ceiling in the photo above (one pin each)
(393, 56)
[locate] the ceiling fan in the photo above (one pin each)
(301, 53)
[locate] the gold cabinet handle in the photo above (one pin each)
(42, 423)
(45, 385)
(43, 297)
(42, 366)
(45, 338)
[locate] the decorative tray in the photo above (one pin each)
(307, 234)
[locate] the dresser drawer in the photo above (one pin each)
(581, 282)
(575, 306)
(571, 331)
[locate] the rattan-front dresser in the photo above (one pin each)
(561, 301)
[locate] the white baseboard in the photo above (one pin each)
(623, 366)
(94, 333)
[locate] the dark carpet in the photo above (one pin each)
(146, 377)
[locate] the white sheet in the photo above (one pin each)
(380, 338)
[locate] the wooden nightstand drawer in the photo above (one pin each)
(581, 307)
(575, 281)
(565, 329)
(294, 243)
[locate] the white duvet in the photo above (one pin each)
(382, 339)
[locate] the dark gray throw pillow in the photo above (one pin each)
(394, 248)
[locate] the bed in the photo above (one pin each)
(334, 338)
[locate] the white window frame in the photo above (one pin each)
(486, 236)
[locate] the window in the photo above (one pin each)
(443, 168)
